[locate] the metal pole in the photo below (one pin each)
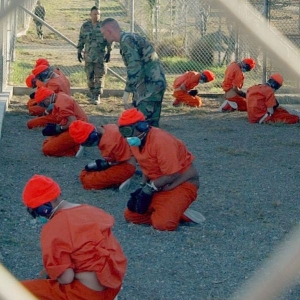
(266, 15)
(171, 18)
(65, 38)
(132, 16)
(156, 20)
(237, 43)
(50, 27)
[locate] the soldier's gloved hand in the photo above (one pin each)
(97, 165)
(31, 96)
(51, 129)
(193, 92)
(107, 57)
(79, 56)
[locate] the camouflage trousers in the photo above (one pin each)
(151, 108)
(39, 30)
(95, 73)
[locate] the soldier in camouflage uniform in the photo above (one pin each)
(145, 76)
(96, 54)
(40, 12)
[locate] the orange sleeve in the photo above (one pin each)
(259, 98)
(163, 154)
(190, 79)
(81, 238)
(270, 96)
(65, 106)
(113, 147)
(58, 84)
(233, 77)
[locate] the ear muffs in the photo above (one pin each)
(44, 210)
(43, 75)
(92, 139)
(273, 84)
(142, 126)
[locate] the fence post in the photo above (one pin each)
(132, 16)
(2, 29)
(267, 16)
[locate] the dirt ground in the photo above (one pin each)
(249, 194)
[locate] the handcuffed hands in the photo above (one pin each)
(97, 165)
(243, 94)
(140, 200)
(51, 129)
(193, 92)
(32, 95)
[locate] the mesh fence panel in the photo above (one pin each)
(188, 35)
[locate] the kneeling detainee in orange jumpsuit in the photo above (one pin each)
(117, 165)
(171, 180)
(65, 111)
(232, 84)
(184, 87)
(53, 79)
(263, 106)
(82, 258)
(32, 82)
(33, 108)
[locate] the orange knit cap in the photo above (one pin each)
(29, 79)
(42, 93)
(39, 69)
(209, 75)
(130, 116)
(42, 61)
(277, 77)
(40, 190)
(80, 131)
(249, 61)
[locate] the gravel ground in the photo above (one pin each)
(249, 194)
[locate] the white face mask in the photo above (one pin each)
(135, 141)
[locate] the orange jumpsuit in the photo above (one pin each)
(34, 109)
(80, 238)
(163, 154)
(63, 144)
(115, 149)
(58, 84)
(234, 77)
(261, 97)
(190, 79)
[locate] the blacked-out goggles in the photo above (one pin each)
(247, 67)
(203, 78)
(32, 212)
(127, 131)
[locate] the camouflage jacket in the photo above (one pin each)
(93, 42)
(145, 74)
(40, 12)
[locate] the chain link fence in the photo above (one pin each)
(188, 35)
